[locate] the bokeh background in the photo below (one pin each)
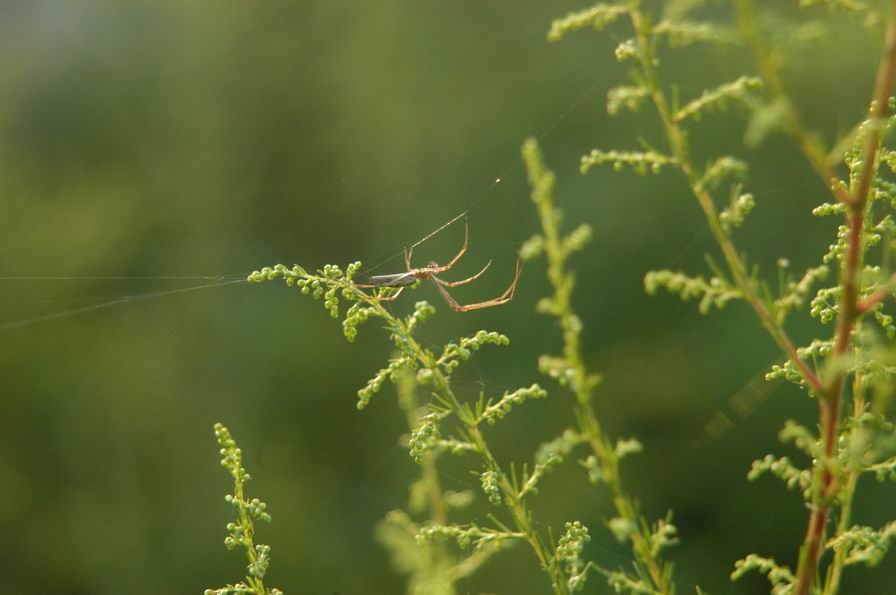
(153, 151)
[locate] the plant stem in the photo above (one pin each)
(516, 507)
(770, 70)
(520, 514)
(825, 488)
(255, 582)
(582, 384)
(850, 309)
(830, 393)
(430, 475)
(835, 571)
(878, 296)
(678, 142)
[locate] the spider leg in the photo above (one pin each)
(407, 257)
(382, 297)
(508, 293)
(502, 299)
(388, 298)
(445, 267)
(465, 281)
(447, 297)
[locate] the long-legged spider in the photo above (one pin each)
(431, 271)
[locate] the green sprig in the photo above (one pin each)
(627, 97)
(241, 533)
(467, 535)
(718, 98)
(491, 412)
(780, 577)
(864, 545)
(683, 33)
(571, 546)
(713, 292)
(640, 162)
(597, 17)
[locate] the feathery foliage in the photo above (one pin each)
(242, 532)
(852, 364)
(445, 423)
(849, 374)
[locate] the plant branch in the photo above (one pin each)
(441, 383)
(882, 293)
(407, 399)
(572, 371)
(678, 142)
(835, 571)
(515, 505)
(770, 70)
(825, 488)
(331, 283)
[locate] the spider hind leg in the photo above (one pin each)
(502, 299)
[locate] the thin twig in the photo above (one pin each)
(829, 404)
(769, 68)
(677, 140)
(882, 293)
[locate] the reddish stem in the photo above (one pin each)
(850, 311)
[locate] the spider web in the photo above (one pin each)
(379, 260)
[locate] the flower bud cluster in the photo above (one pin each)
(496, 411)
(423, 437)
(455, 353)
(714, 292)
(597, 17)
(392, 372)
(718, 98)
(626, 97)
(720, 170)
(489, 480)
(740, 206)
(638, 161)
(572, 544)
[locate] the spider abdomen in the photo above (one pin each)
(396, 280)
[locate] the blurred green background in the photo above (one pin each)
(190, 139)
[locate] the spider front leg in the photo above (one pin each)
(388, 298)
(445, 267)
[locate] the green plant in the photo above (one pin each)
(653, 574)
(429, 565)
(855, 360)
(450, 423)
(432, 434)
(436, 543)
(242, 532)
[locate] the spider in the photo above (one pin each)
(430, 271)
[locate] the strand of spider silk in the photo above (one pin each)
(394, 255)
(125, 300)
(678, 256)
(605, 224)
(640, 218)
(235, 276)
(125, 278)
(609, 224)
(513, 165)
